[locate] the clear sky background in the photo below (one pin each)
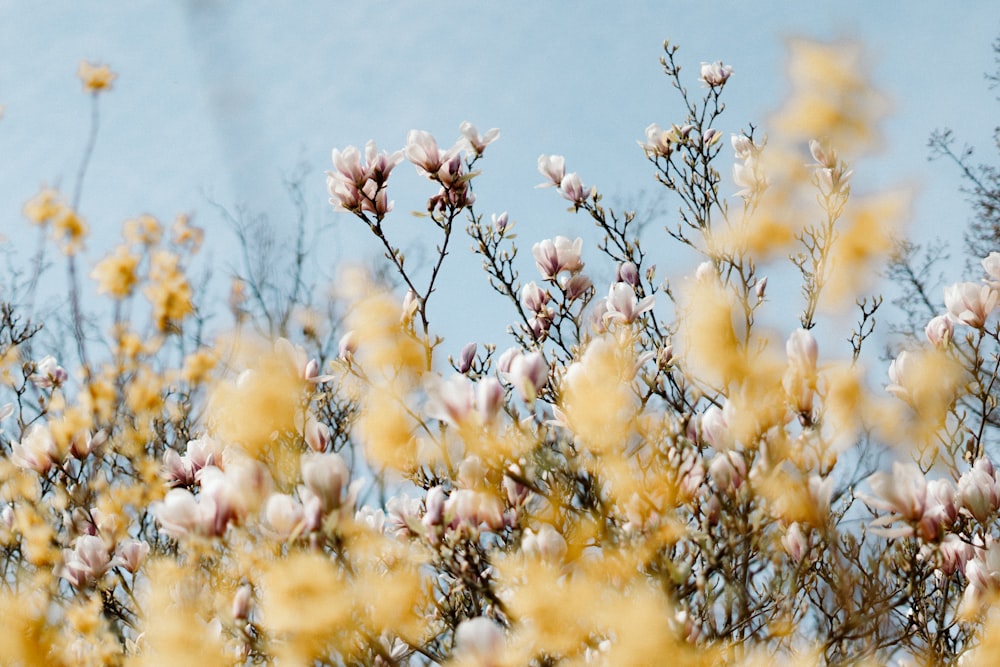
(219, 100)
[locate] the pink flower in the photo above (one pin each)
(325, 475)
(37, 450)
(130, 554)
(474, 143)
(728, 470)
(628, 273)
(714, 430)
(422, 150)
(489, 399)
(534, 298)
(940, 330)
(904, 492)
(529, 372)
(48, 373)
(358, 186)
(450, 401)
(977, 491)
(659, 142)
(970, 303)
(553, 168)
(992, 265)
(623, 306)
(575, 286)
(546, 544)
(466, 357)
(802, 349)
(795, 542)
(571, 188)
(285, 516)
(553, 256)
(479, 641)
(87, 562)
(715, 74)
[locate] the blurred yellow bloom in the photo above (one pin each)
(69, 229)
(95, 78)
(115, 274)
(145, 230)
(43, 207)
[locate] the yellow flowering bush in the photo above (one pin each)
(660, 469)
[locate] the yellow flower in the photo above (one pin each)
(115, 274)
(168, 291)
(43, 207)
(144, 230)
(95, 78)
(69, 229)
(187, 234)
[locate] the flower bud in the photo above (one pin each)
(466, 357)
(241, 602)
(326, 476)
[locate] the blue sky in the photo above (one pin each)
(218, 100)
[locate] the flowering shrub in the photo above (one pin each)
(659, 468)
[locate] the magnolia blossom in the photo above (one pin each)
(479, 641)
(970, 303)
(450, 400)
(37, 450)
(928, 508)
(728, 470)
(571, 188)
(623, 306)
(940, 330)
(422, 150)
(48, 373)
(553, 168)
(466, 357)
(326, 476)
(546, 543)
(795, 542)
(983, 575)
(534, 298)
(715, 74)
(659, 142)
(474, 143)
(285, 516)
(978, 492)
(86, 562)
(553, 256)
(527, 372)
(130, 554)
(358, 186)
(749, 174)
(476, 509)
(991, 264)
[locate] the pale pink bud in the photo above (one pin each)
(714, 430)
(534, 298)
(977, 492)
(802, 349)
(347, 346)
(553, 168)
(742, 146)
(711, 136)
(285, 515)
(317, 434)
(242, 601)
(411, 303)
(177, 513)
(955, 553)
(627, 273)
(572, 189)
(131, 553)
(529, 373)
(575, 286)
(795, 542)
(715, 74)
(546, 544)
(326, 476)
(500, 222)
(728, 470)
(503, 363)
(479, 641)
(435, 505)
(466, 357)
(940, 330)
(489, 399)
(992, 265)
(760, 288)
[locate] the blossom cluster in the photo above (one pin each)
(681, 465)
